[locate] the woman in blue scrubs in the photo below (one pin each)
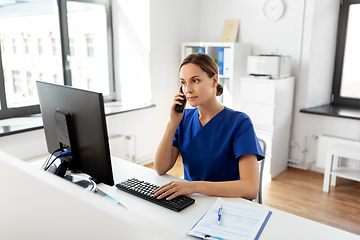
(218, 145)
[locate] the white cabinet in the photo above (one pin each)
(269, 104)
(231, 59)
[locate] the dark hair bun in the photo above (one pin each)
(219, 89)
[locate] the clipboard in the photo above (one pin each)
(238, 222)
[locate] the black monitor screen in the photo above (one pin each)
(90, 148)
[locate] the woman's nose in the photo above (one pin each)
(188, 90)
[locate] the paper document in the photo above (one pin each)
(237, 222)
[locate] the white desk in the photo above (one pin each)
(39, 205)
(280, 226)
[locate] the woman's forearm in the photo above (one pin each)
(239, 188)
(247, 187)
(165, 157)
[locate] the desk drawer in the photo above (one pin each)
(258, 92)
(260, 114)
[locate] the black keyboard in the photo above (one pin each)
(145, 190)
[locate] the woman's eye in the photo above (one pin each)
(196, 80)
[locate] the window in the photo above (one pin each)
(53, 42)
(14, 45)
(72, 47)
(31, 86)
(52, 29)
(16, 82)
(88, 28)
(26, 45)
(90, 47)
(40, 47)
(41, 77)
(346, 83)
(90, 83)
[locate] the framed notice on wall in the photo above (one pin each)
(230, 32)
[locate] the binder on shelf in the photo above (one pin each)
(221, 61)
(202, 50)
(237, 221)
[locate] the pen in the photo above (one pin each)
(219, 215)
(208, 237)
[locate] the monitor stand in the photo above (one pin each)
(81, 181)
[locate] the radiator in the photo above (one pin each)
(123, 146)
(327, 141)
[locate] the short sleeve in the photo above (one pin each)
(246, 141)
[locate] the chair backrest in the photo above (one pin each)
(261, 169)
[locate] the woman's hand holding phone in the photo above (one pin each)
(177, 110)
(180, 108)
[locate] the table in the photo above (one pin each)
(280, 226)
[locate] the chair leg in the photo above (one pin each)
(334, 166)
(328, 165)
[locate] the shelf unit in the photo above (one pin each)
(269, 104)
(234, 66)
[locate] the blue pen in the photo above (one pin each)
(219, 215)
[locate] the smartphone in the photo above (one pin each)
(180, 108)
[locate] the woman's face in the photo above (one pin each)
(197, 85)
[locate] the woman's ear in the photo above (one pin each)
(215, 79)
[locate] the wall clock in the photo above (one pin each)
(273, 9)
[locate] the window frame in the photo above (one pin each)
(65, 43)
(6, 112)
(337, 99)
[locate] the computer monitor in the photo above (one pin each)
(83, 112)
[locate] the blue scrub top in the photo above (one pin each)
(211, 153)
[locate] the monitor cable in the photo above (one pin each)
(63, 154)
(44, 166)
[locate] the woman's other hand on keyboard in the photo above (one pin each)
(174, 189)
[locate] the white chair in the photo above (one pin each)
(332, 161)
(261, 169)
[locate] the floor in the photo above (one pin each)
(299, 192)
